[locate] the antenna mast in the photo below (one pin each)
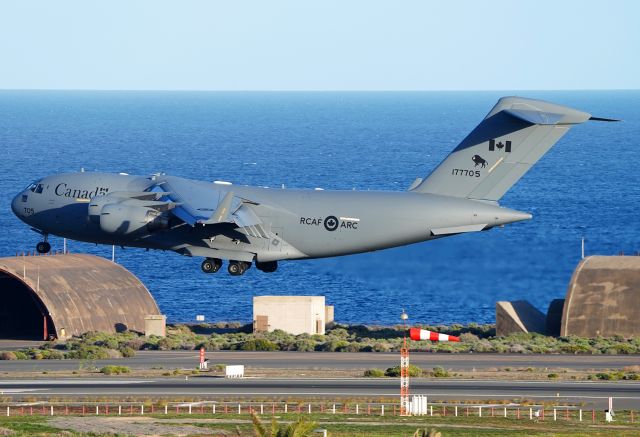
(404, 368)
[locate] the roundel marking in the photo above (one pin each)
(331, 223)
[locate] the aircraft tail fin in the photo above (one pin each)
(515, 134)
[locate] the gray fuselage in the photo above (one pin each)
(301, 223)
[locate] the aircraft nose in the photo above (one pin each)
(14, 204)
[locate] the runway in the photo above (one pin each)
(336, 360)
(589, 394)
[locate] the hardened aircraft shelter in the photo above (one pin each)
(58, 296)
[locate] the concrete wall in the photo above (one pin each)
(292, 314)
(603, 298)
(518, 316)
(155, 325)
(329, 316)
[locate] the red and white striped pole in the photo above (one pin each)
(418, 334)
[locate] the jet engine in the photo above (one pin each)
(123, 219)
(126, 216)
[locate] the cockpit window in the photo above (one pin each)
(35, 187)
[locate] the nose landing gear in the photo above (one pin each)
(44, 246)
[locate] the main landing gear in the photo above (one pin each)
(237, 268)
(44, 246)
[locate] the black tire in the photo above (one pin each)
(235, 268)
(43, 247)
(211, 265)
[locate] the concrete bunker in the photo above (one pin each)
(59, 296)
(603, 300)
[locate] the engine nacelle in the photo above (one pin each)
(123, 219)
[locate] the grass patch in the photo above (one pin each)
(31, 425)
(374, 373)
(115, 370)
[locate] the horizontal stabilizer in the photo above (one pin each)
(458, 229)
(604, 119)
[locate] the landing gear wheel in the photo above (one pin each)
(43, 247)
(211, 265)
(267, 267)
(237, 268)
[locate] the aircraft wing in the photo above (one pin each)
(200, 203)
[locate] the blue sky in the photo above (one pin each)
(320, 45)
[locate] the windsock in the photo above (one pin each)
(418, 334)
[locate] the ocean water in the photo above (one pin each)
(587, 186)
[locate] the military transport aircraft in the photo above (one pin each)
(245, 225)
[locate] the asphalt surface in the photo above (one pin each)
(588, 394)
(335, 360)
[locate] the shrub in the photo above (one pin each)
(135, 344)
(334, 345)
(517, 349)
(349, 347)
(468, 337)
(87, 353)
(552, 376)
(187, 345)
(382, 347)
(50, 354)
(114, 370)
(305, 345)
(374, 373)
(414, 371)
(21, 355)
(440, 372)
(109, 343)
(611, 376)
(7, 355)
(259, 344)
(127, 352)
(338, 333)
(167, 344)
(575, 348)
